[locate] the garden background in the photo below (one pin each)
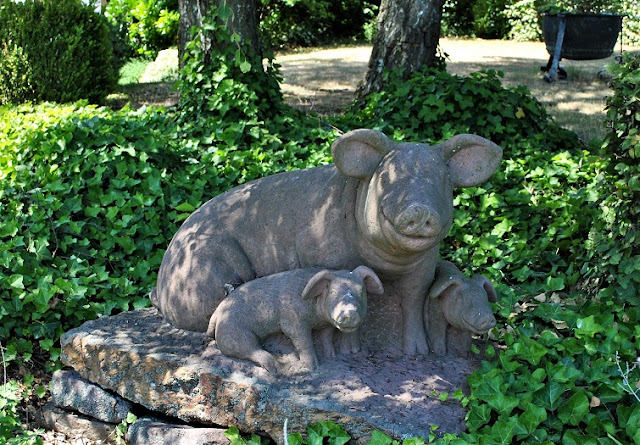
(91, 195)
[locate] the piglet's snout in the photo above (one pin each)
(418, 220)
(347, 315)
(484, 323)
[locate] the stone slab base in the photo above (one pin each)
(182, 374)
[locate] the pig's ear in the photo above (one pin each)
(358, 152)
(447, 276)
(488, 287)
(317, 285)
(371, 281)
(471, 159)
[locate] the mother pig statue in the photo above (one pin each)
(383, 204)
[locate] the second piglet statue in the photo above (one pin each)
(294, 303)
(457, 307)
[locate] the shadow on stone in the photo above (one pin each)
(177, 373)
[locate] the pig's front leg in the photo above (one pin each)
(412, 298)
(302, 340)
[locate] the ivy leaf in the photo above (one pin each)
(245, 66)
(550, 396)
(532, 417)
(574, 410)
(502, 431)
(379, 438)
(587, 327)
(185, 207)
(479, 416)
(492, 390)
(16, 281)
(573, 437)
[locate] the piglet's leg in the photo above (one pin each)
(349, 342)
(303, 342)
(326, 341)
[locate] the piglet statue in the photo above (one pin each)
(383, 204)
(456, 308)
(295, 303)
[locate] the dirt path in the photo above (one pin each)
(325, 80)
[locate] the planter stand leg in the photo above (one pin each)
(550, 77)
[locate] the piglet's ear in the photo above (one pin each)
(317, 285)
(358, 152)
(371, 281)
(488, 287)
(471, 159)
(447, 276)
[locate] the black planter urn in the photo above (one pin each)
(586, 37)
(579, 37)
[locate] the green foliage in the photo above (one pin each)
(148, 26)
(614, 248)
(67, 47)
(304, 23)
(434, 105)
(163, 69)
(584, 6)
(553, 378)
(631, 26)
(15, 74)
(490, 20)
(12, 432)
(525, 19)
(457, 18)
(225, 81)
(557, 378)
(120, 431)
(132, 71)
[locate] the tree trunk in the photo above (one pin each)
(243, 21)
(407, 36)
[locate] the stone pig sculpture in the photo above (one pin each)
(294, 303)
(383, 204)
(457, 307)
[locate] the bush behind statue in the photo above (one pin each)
(65, 44)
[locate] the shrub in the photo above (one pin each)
(163, 69)
(433, 105)
(147, 26)
(457, 18)
(290, 23)
(525, 20)
(15, 75)
(67, 46)
(613, 256)
(490, 20)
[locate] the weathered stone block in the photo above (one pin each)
(148, 431)
(74, 425)
(178, 373)
(70, 391)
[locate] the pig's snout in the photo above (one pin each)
(346, 316)
(418, 220)
(483, 324)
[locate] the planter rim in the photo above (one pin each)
(584, 14)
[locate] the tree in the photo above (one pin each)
(243, 20)
(407, 36)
